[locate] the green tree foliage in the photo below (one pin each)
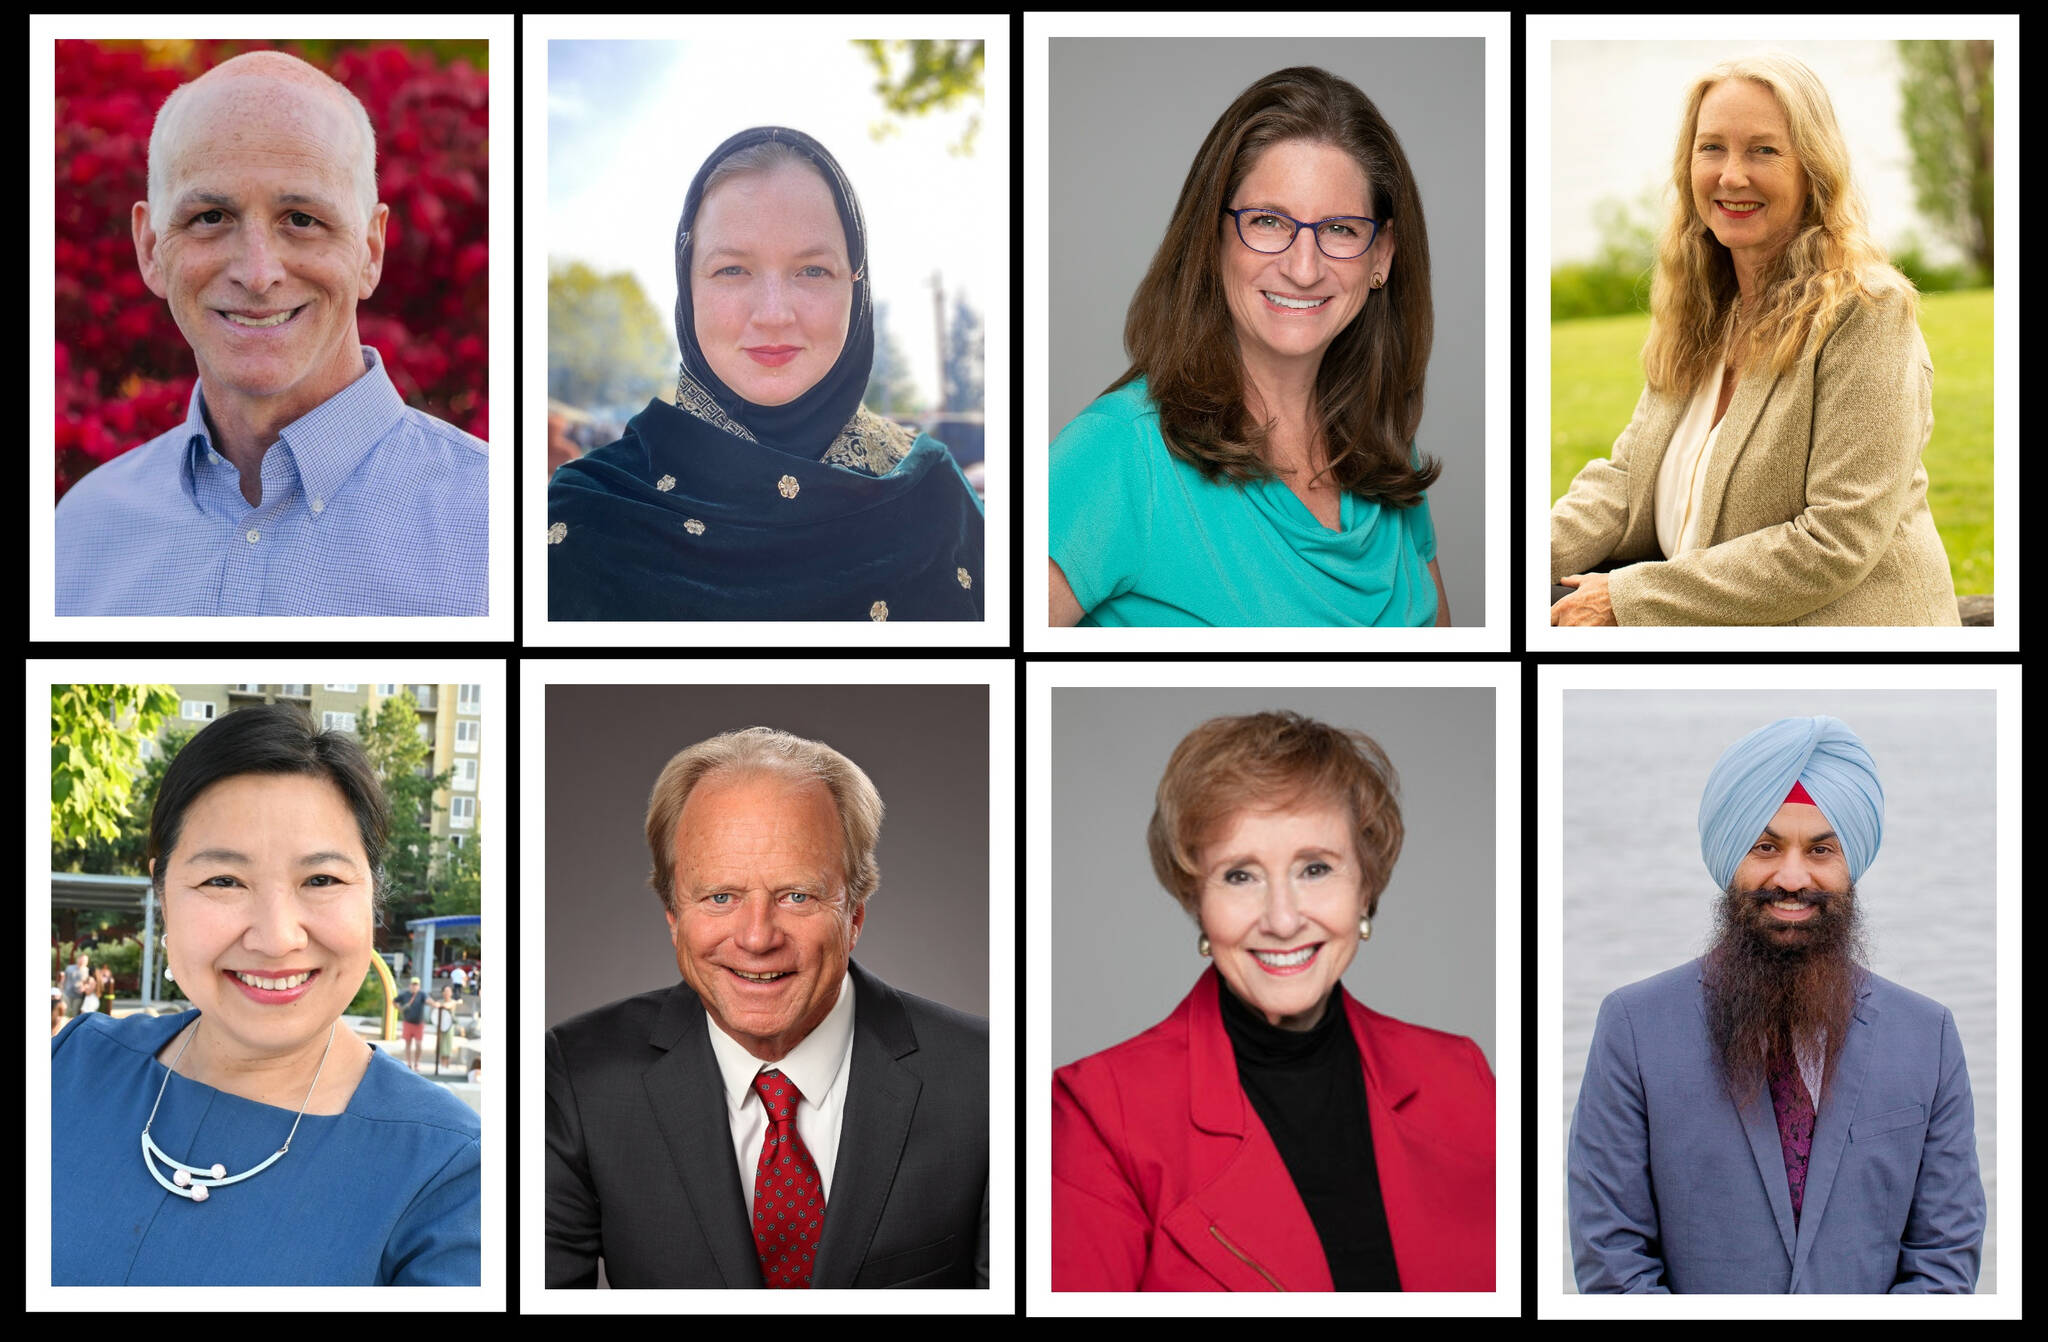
(1945, 110)
(890, 388)
(913, 78)
(126, 854)
(1617, 280)
(608, 348)
(94, 730)
(964, 344)
(393, 742)
(459, 887)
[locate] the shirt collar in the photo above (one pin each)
(325, 444)
(814, 1064)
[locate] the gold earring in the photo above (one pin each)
(1364, 928)
(1202, 946)
(1378, 281)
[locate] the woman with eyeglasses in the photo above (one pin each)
(1256, 464)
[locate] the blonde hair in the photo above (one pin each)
(765, 750)
(1830, 262)
(1267, 760)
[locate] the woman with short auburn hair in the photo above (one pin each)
(1256, 463)
(1273, 1133)
(1771, 472)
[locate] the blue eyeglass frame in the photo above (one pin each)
(1237, 216)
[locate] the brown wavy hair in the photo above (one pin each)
(1828, 265)
(1277, 760)
(1179, 332)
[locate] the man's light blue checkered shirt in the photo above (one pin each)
(369, 508)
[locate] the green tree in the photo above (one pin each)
(126, 854)
(608, 348)
(964, 345)
(914, 78)
(94, 756)
(890, 389)
(400, 755)
(459, 880)
(1945, 110)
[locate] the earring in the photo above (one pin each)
(1202, 946)
(1364, 928)
(165, 945)
(1378, 281)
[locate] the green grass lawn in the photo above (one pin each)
(1596, 375)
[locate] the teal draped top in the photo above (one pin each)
(1144, 539)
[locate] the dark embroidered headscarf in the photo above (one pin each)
(807, 425)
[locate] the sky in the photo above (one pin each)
(1614, 120)
(629, 124)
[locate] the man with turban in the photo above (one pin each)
(1774, 1118)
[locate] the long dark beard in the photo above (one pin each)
(1776, 989)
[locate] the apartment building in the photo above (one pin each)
(451, 722)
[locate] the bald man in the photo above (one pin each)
(299, 483)
(1773, 1118)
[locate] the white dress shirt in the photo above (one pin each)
(819, 1066)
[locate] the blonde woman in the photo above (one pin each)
(1771, 472)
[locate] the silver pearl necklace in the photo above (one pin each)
(192, 1181)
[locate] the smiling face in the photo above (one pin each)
(760, 917)
(1795, 872)
(268, 882)
(1747, 184)
(261, 249)
(1279, 898)
(1287, 307)
(771, 286)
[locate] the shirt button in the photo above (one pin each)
(254, 535)
(213, 457)
(318, 505)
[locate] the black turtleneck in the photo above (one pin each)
(1309, 1090)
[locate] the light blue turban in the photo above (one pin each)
(1752, 777)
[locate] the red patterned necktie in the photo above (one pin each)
(1795, 1125)
(789, 1202)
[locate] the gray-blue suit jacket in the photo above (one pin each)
(1674, 1189)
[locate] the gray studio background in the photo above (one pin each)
(1123, 951)
(925, 747)
(1638, 899)
(1126, 117)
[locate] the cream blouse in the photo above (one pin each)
(1682, 479)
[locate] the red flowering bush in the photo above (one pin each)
(125, 374)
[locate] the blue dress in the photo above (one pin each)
(387, 1193)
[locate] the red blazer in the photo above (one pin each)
(1164, 1179)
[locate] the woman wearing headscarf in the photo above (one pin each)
(1256, 464)
(255, 1140)
(1274, 1133)
(767, 491)
(1771, 472)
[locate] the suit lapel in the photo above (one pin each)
(1247, 1227)
(1405, 1188)
(1745, 408)
(1831, 1126)
(1760, 1125)
(881, 1099)
(1645, 460)
(689, 1108)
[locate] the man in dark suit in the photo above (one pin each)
(782, 1117)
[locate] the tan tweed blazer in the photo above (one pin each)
(1815, 506)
